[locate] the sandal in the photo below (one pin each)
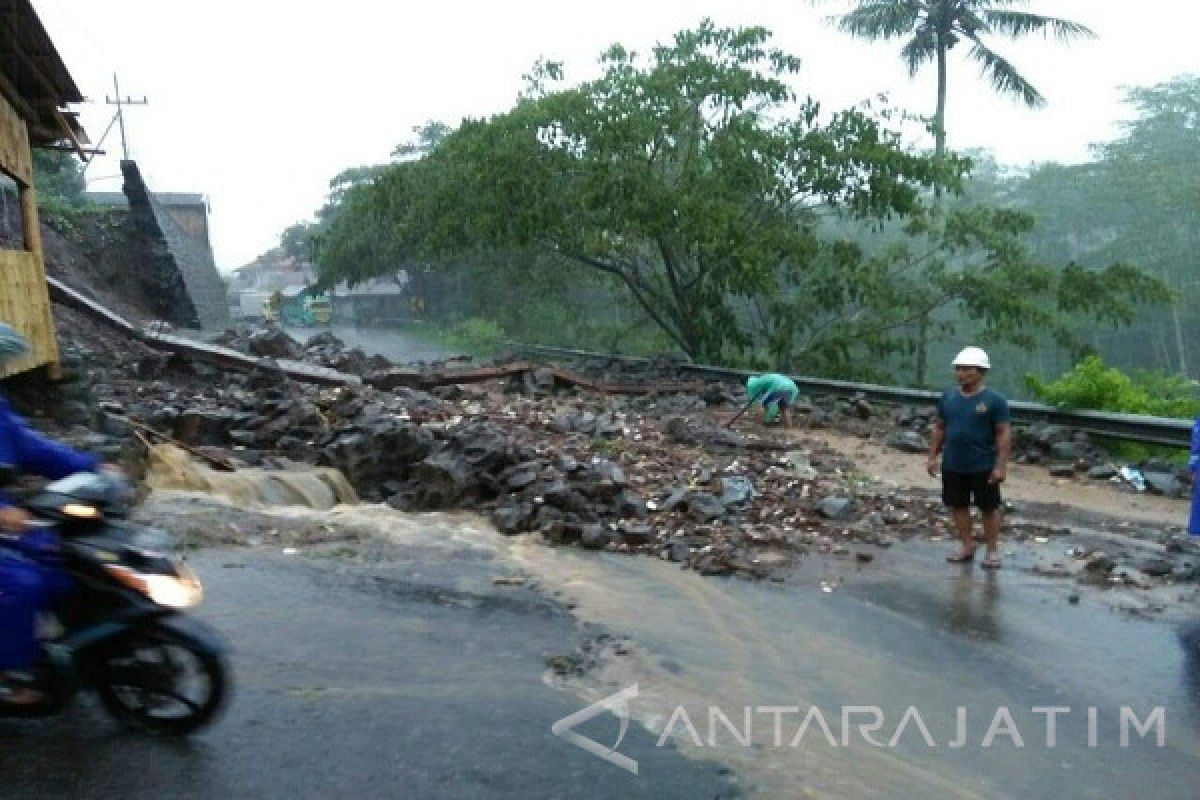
(961, 558)
(992, 562)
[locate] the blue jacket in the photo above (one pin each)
(29, 451)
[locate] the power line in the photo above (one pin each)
(120, 104)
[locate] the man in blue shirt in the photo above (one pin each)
(22, 582)
(974, 435)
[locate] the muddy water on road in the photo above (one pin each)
(904, 631)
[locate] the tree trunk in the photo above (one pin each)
(922, 350)
(939, 116)
(1177, 324)
(939, 151)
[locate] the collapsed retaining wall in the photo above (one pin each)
(195, 293)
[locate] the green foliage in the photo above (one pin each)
(688, 201)
(690, 178)
(1092, 384)
(476, 336)
(959, 267)
(71, 220)
(1134, 203)
(59, 215)
(427, 137)
(58, 177)
(299, 241)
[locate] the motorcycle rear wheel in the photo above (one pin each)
(155, 681)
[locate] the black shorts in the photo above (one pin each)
(958, 489)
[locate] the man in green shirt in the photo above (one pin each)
(775, 393)
(974, 424)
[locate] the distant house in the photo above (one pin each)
(253, 283)
(377, 301)
(271, 272)
(35, 88)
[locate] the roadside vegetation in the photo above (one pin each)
(61, 191)
(693, 200)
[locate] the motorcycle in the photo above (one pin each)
(117, 620)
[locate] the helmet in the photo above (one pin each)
(13, 344)
(972, 357)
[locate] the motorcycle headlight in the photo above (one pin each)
(81, 511)
(173, 591)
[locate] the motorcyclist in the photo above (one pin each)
(23, 584)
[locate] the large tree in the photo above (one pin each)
(743, 222)
(933, 28)
(690, 177)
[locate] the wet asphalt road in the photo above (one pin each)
(406, 681)
(908, 633)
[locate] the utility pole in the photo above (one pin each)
(120, 104)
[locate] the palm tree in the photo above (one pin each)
(934, 27)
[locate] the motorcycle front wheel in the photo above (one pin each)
(155, 681)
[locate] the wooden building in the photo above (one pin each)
(35, 87)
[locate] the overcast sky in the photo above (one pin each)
(258, 103)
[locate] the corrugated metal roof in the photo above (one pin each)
(35, 79)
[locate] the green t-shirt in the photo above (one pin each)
(772, 385)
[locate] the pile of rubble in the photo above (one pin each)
(646, 473)
(324, 349)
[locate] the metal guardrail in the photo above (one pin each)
(1127, 427)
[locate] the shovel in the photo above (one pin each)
(738, 415)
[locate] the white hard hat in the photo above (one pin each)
(972, 357)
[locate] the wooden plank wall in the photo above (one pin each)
(22, 278)
(14, 145)
(24, 298)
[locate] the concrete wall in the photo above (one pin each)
(204, 292)
(191, 219)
